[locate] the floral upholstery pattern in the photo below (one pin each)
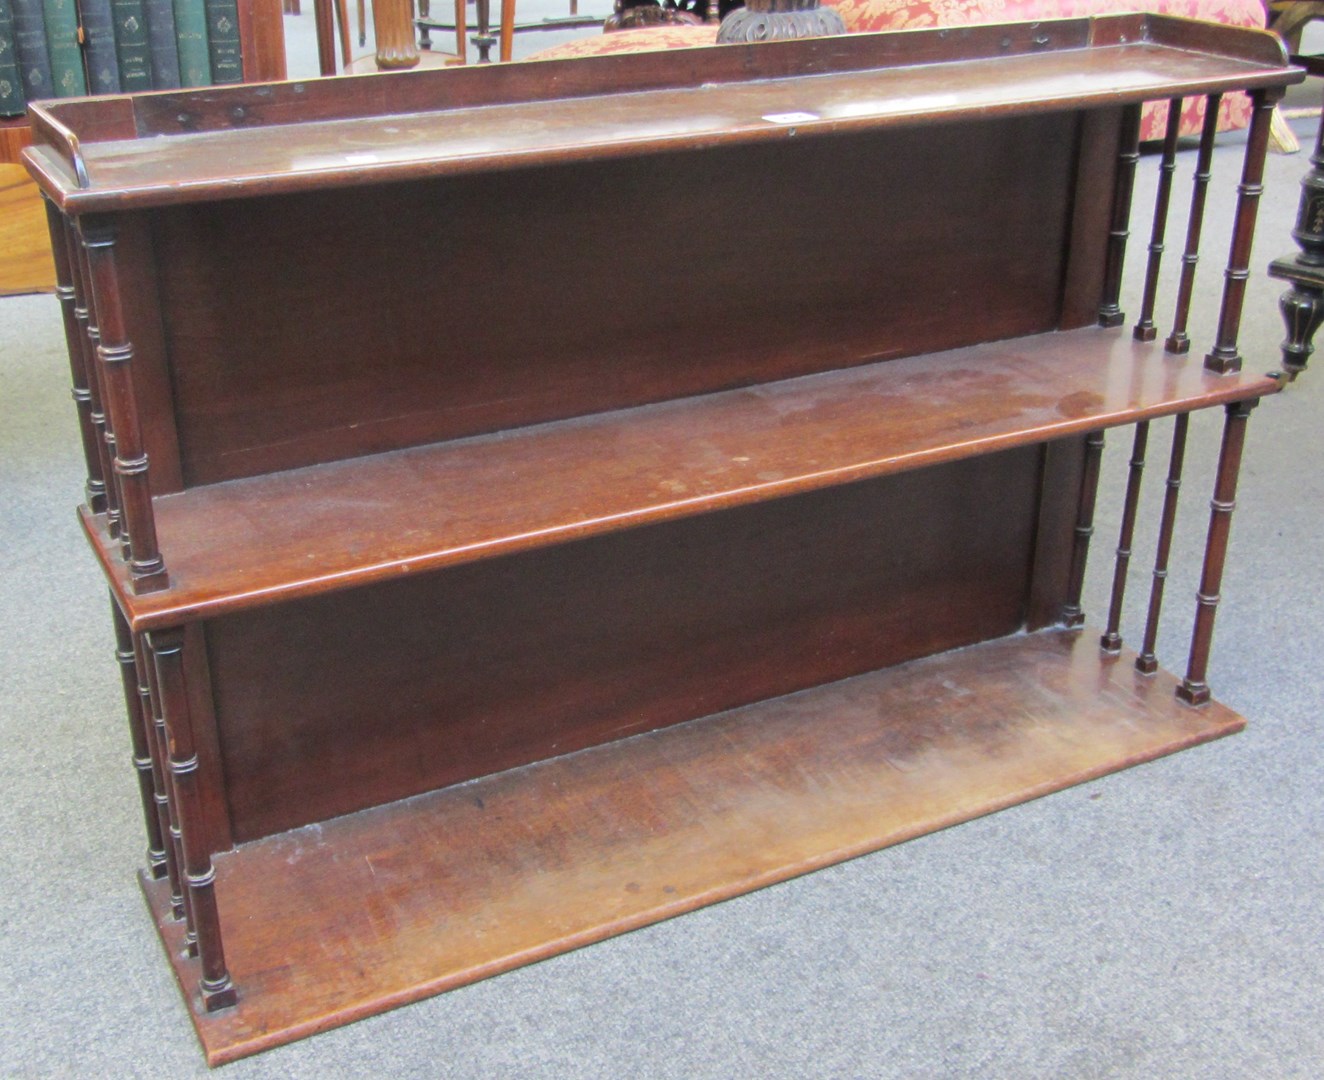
(863, 16)
(624, 41)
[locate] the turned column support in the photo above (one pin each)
(1072, 614)
(1178, 341)
(1128, 154)
(75, 338)
(114, 354)
(140, 737)
(167, 650)
(1224, 357)
(1194, 689)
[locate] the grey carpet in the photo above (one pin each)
(1163, 922)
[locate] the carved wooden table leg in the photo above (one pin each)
(768, 20)
(393, 21)
(1303, 304)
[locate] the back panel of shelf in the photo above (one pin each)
(446, 308)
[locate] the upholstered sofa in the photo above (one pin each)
(863, 16)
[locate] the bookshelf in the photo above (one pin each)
(748, 535)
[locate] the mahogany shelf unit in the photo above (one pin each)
(744, 533)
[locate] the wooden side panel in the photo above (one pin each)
(1096, 166)
(446, 308)
(339, 702)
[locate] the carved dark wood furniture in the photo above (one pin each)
(444, 653)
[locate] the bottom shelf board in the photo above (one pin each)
(336, 921)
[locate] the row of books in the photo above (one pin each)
(65, 48)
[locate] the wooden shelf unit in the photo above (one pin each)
(773, 493)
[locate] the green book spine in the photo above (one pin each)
(191, 33)
(227, 64)
(131, 45)
(12, 99)
(62, 44)
(99, 59)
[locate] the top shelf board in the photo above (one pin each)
(158, 149)
(326, 527)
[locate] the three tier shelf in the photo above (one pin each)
(542, 499)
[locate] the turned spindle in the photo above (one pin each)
(156, 732)
(75, 338)
(1194, 689)
(1178, 341)
(167, 648)
(1128, 153)
(139, 723)
(1112, 639)
(1145, 329)
(1072, 614)
(1147, 662)
(85, 316)
(1224, 358)
(114, 361)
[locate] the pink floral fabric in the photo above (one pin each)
(864, 16)
(623, 41)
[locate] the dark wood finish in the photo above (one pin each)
(1178, 342)
(477, 879)
(114, 361)
(1147, 662)
(1112, 638)
(1194, 688)
(581, 643)
(214, 985)
(143, 764)
(75, 342)
(867, 82)
(436, 637)
(1224, 356)
(149, 691)
(85, 316)
(245, 543)
(1145, 330)
(1128, 154)
(1302, 305)
(1072, 613)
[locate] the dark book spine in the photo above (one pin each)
(99, 56)
(34, 62)
(12, 99)
(62, 46)
(131, 46)
(191, 38)
(227, 63)
(164, 46)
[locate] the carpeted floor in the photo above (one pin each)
(1163, 922)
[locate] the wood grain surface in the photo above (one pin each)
(482, 877)
(26, 265)
(252, 542)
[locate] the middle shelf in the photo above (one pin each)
(244, 543)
